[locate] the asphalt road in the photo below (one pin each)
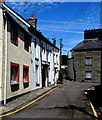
(68, 101)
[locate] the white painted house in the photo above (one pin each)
(28, 60)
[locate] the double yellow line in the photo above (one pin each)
(10, 113)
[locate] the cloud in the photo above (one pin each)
(67, 22)
(60, 30)
(76, 41)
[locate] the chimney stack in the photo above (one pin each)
(54, 41)
(32, 21)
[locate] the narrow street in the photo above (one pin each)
(68, 101)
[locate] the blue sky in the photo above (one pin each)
(66, 20)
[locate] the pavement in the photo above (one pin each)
(24, 99)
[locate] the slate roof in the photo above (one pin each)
(29, 29)
(91, 45)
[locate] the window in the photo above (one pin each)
(14, 35)
(25, 74)
(88, 61)
(14, 73)
(26, 43)
(88, 75)
(37, 76)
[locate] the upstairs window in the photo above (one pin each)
(14, 35)
(25, 74)
(88, 61)
(14, 73)
(26, 43)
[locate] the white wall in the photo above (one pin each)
(1, 54)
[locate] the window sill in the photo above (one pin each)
(26, 82)
(15, 83)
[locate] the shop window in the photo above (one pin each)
(14, 73)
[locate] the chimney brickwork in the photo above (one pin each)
(32, 21)
(54, 41)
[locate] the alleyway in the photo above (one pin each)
(68, 101)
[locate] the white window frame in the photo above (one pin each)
(88, 61)
(88, 75)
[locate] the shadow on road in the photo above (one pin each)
(84, 111)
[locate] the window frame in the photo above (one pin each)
(14, 35)
(16, 78)
(88, 61)
(37, 75)
(90, 76)
(27, 80)
(27, 42)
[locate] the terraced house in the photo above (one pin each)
(28, 60)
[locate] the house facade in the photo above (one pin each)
(45, 62)
(87, 57)
(27, 57)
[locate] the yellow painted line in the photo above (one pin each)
(92, 107)
(85, 93)
(10, 113)
(91, 88)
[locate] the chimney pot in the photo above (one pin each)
(54, 41)
(32, 16)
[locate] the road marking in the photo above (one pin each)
(91, 88)
(85, 93)
(92, 107)
(10, 113)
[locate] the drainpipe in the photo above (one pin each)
(5, 41)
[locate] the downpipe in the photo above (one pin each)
(5, 81)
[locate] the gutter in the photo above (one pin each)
(11, 11)
(6, 47)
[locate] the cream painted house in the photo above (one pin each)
(14, 53)
(28, 60)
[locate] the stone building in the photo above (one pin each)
(70, 69)
(87, 57)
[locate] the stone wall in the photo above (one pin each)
(70, 69)
(80, 66)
